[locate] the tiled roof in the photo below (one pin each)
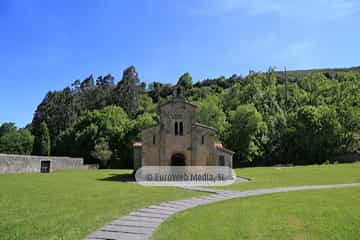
(204, 126)
(177, 100)
(220, 147)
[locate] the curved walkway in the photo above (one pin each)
(141, 224)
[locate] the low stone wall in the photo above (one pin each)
(26, 164)
(348, 157)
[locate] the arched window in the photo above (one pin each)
(176, 129)
(181, 129)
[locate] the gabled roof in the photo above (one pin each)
(178, 100)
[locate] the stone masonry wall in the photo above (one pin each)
(26, 164)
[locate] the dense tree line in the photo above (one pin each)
(266, 117)
(14, 140)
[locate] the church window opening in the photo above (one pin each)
(181, 129)
(176, 129)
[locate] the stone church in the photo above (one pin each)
(179, 140)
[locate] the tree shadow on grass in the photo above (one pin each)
(126, 177)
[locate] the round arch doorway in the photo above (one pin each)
(178, 159)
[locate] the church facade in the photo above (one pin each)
(179, 140)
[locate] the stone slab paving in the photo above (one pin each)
(141, 224)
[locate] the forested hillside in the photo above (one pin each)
(298, 117)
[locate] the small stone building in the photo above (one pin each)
(179, 140)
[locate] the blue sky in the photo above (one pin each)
(45, 45)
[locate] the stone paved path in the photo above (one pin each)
(141, 224)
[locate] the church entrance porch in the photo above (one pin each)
(178, 159)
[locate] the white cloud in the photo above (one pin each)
(313, 9)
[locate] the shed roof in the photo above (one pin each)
(204, 126)
(220, 147)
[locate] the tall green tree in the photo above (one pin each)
(102, 152)
(313, 135)
(155, 91)
(58, 110)
(210, 112)
(15, 141)
(316, 85)
(127, 92)
(7, 127)
(185, 81)
(349, 118)
(97, 135)
(247, 134)
(42, 141)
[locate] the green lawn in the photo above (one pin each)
(266, 177)
(70, 204)
(323, 214)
